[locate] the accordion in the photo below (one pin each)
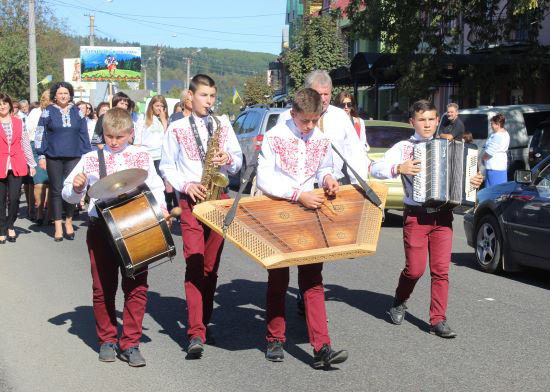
(445, 171)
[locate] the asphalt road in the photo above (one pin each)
(48, 342)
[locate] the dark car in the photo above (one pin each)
(510, 225)
(539, 147)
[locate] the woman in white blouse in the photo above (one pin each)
(495, 156)
(150, 132)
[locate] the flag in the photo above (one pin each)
(236, 96)
(46, 80)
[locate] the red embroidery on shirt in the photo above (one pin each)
(408, 152)
(138, 160)
(91, 165)
(287, 149)
(186, 140)
(315, 151)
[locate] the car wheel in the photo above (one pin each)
(488, 244)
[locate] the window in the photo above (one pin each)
(238, 124)
(386, 136)
(532, 120)
(478, 124)
(252, 122)
(271, 121)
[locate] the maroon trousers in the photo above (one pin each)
(105, 267)
(425, 234)
(310, 282)
(202, 249)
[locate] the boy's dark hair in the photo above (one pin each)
(57, 86)
(499, 119)
(421, 106)
(307, 100)
(6, 99)
(201, 79)
(120, 96)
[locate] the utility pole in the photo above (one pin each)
(33, 82)
(92, 31)
(188, 72)
(144, 67)
(159, 90)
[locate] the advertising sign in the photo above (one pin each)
(110, 63)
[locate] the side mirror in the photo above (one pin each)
(523, 177)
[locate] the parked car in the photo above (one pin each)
(381, 135)
(251, 122)
(521, 123)
(510, 224)
(539, 147)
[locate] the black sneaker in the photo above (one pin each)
(397, 312)
(210, 338)
(196, 347)
(326, 356)
(107, 352)
(442, 330)
(274, 352)
(133, 357)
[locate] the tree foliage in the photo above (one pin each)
(418, 32)
(257, 91)
(318, 46)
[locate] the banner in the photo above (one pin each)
(110, 63)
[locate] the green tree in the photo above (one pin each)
(418, 33)
(318, 46)
(257, 91)
(228, 107)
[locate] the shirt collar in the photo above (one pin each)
(108, 149)
(292, 125)
(204, 119)
(418, 138)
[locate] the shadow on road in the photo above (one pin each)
(82, 325)
(170, 314)
(239, 320)
(530, 276)
(375, 304)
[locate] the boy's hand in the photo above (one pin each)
(410, 167)
(311, 200)
(447, 136)
(79, 182)
(167, 218)
(221, 158)
(477, 180)
(32, 171)
(331, 185)
(196, 191)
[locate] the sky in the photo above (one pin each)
(252, 25)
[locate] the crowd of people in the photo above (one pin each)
(60, 148)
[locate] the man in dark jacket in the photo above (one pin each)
(454, 125)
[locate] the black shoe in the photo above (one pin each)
(326, 356)
(2, 242)
(210, 339)
(397, 312)
(442, 330)
(133, 357)
(196, 347)
(107, 352)
(70, 236)
(274, 352)
(58, 239)
(12, 239)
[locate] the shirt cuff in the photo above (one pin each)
(295, 194)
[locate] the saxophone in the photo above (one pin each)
(212, 179)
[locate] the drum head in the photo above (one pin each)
(117, 183)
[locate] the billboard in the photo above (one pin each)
(71, 74)
(110, 63)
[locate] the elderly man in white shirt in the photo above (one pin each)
(336, 125)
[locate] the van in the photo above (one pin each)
(521, 123)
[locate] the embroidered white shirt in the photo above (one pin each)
(181, 162)
(128, 158)
(336, 125)
(290, 161)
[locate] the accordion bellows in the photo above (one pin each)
(277, 233)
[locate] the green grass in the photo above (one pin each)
(120, 74)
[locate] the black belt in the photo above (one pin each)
(422, 210)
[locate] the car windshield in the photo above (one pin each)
(387, 136)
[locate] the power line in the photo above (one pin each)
(125, 16)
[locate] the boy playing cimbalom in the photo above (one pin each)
(425, 231)
(295, 154)
(118, 128)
